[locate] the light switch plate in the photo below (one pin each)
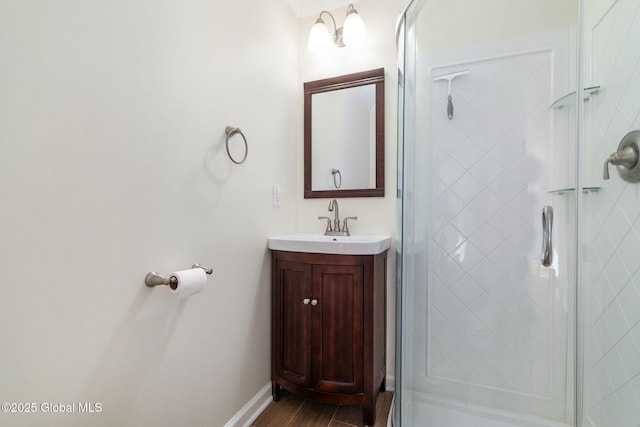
(276, 195)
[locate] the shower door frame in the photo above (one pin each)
(574, 398)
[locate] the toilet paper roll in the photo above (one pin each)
(190, 282)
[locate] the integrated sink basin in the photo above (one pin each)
(342, 245)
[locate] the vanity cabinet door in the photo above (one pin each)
(338, 328)
(292, 321)
(329, 327)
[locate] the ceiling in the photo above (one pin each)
(313, 7)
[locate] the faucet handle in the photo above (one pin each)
(627, 157)
(328, 223)
(605, 173)
(345, 226)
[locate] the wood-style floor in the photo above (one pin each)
(296, 411)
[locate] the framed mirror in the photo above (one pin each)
(344, 136)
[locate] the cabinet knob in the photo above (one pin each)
(314, 302)
(306, 301)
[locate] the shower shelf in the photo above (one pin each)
(567, 99)
(584, 190)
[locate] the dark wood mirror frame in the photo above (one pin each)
(375, 77)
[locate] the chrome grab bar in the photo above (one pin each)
(546, 255)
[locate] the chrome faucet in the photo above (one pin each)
(335, 229)
(333, 207)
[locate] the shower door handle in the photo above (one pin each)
(546, 255)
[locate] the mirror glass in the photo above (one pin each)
(344, 129)
(344, 136)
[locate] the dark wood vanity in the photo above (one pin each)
(329, 327)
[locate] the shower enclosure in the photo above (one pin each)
(518, 276)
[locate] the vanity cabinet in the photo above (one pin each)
(329, 327)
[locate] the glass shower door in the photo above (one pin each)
(611, 275)
(486, 329)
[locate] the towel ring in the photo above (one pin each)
(230, 131)
(336, 173)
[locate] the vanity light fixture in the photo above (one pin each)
(351, 33)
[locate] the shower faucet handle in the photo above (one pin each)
(627, 157)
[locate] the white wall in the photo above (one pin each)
(375, 215)
(112, 164)
(474, 22)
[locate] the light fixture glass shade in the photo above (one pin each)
(319, 38)
(353, 32)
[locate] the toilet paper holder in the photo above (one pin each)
(154, 279)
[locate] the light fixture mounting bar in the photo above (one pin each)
(337, 32)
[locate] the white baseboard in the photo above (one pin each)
(261, 400)
(252, 409)
(390, 383)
